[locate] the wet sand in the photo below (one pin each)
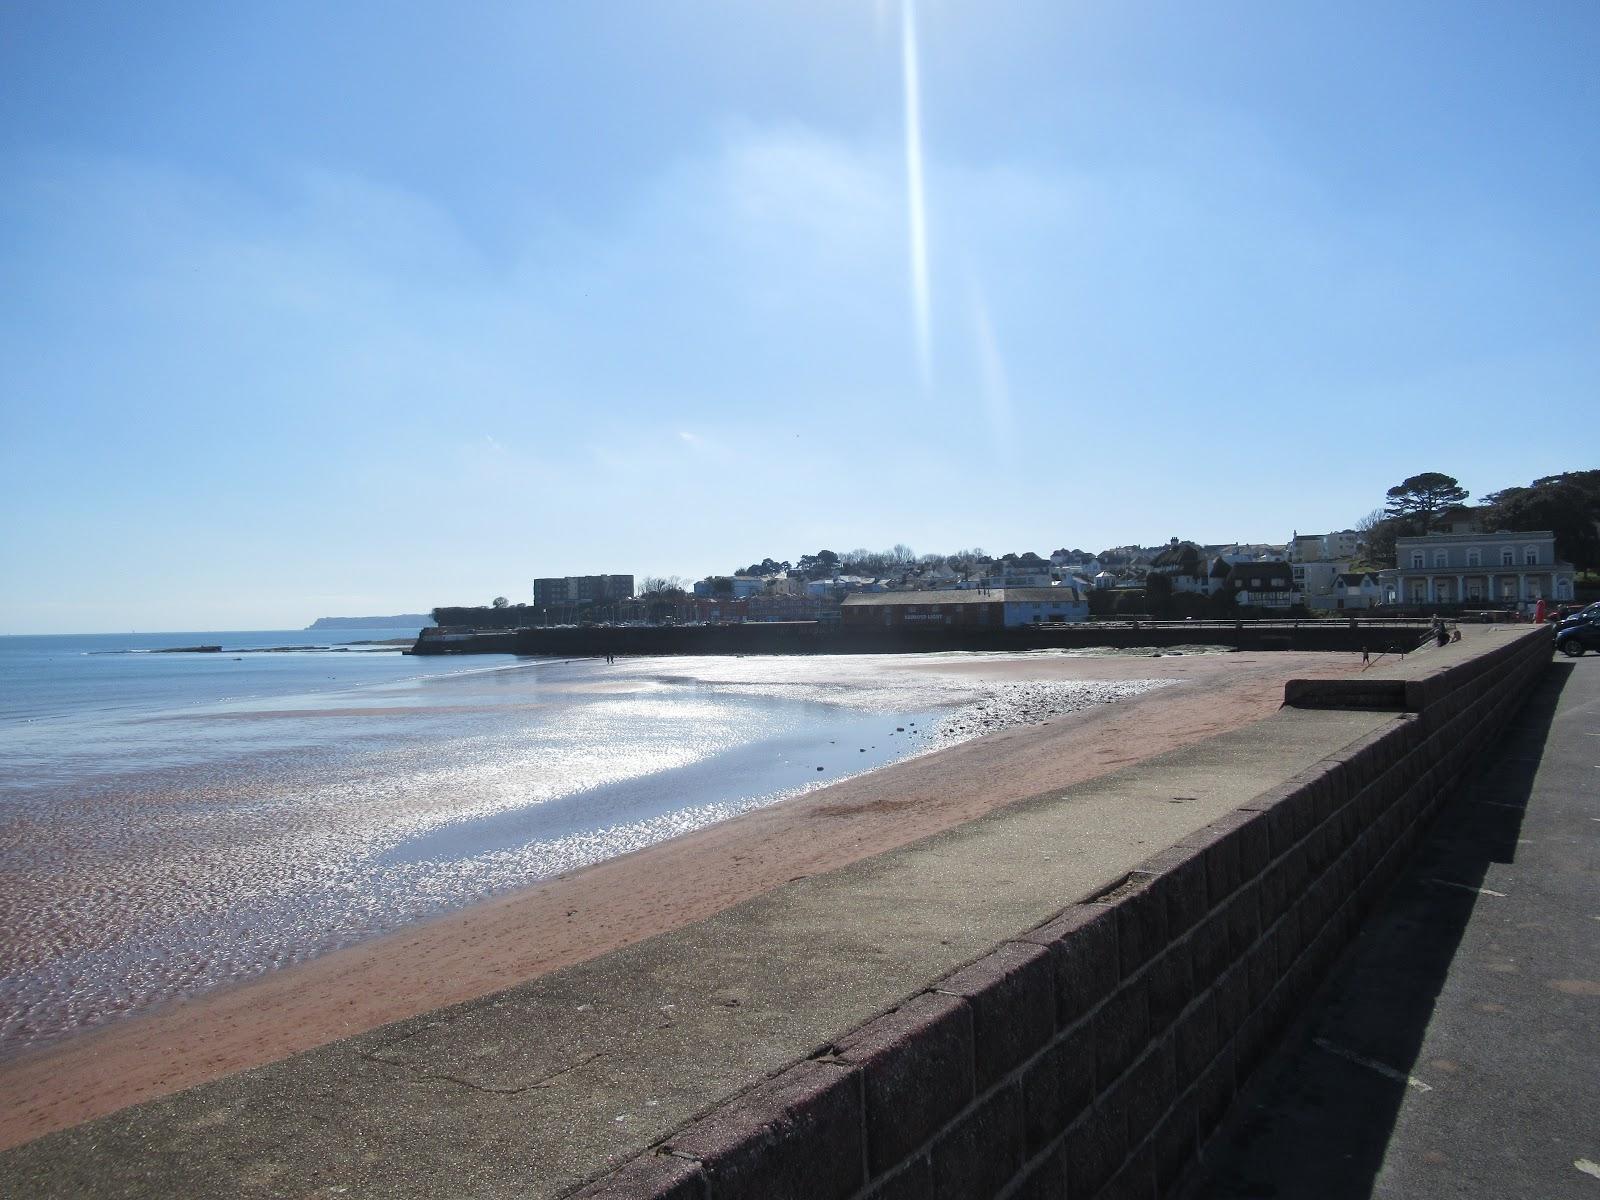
(572, 918)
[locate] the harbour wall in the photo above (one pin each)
(809, 637)
(1094, 1055)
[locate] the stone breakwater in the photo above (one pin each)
(809, 637)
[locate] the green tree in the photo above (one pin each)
(1567, 504)
(1422, 497)
(499, 602)
(1158, 594)
(1221, 603)
(820, 565)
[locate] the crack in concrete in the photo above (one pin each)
(544, 1081)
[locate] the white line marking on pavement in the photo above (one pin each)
(1587, 1167)
(1467, 887)
(1372, 1064)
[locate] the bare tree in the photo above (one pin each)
(661, 585)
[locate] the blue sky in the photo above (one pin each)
(335, 309)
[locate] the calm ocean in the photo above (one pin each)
(172, 822)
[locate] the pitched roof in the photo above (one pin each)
(1273, 576)
(1183, 554)
(1434, 539)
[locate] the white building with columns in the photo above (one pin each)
(1508, 568)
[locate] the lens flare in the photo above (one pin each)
(915, 196)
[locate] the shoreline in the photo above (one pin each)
(526, 933)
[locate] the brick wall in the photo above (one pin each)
(1092, 1056)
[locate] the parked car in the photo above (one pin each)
(1567, 612)
(1577, 635)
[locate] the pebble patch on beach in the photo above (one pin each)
(1015, 704)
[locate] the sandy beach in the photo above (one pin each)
(589, 912)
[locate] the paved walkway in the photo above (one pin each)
(1456, 1050)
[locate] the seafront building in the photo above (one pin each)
(1186, 568)
(1518, 567)
(1262, 584)
(582, 589)
(1357, 589)
(1322, 547)
(983, 607)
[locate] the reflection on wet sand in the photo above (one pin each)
(175, 852)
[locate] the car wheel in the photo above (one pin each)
(1571, 647)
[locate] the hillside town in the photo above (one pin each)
(1427, 550)
(1516, 552)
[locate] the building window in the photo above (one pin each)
(1474, 557)
(1416, 559)
(1439, 558)
(1508, 557)
(1530, 556)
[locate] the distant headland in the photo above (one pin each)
(400, 621)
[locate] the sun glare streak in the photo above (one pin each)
(915, 199)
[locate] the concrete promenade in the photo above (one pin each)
(533, 1091)
(1456, 1050)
